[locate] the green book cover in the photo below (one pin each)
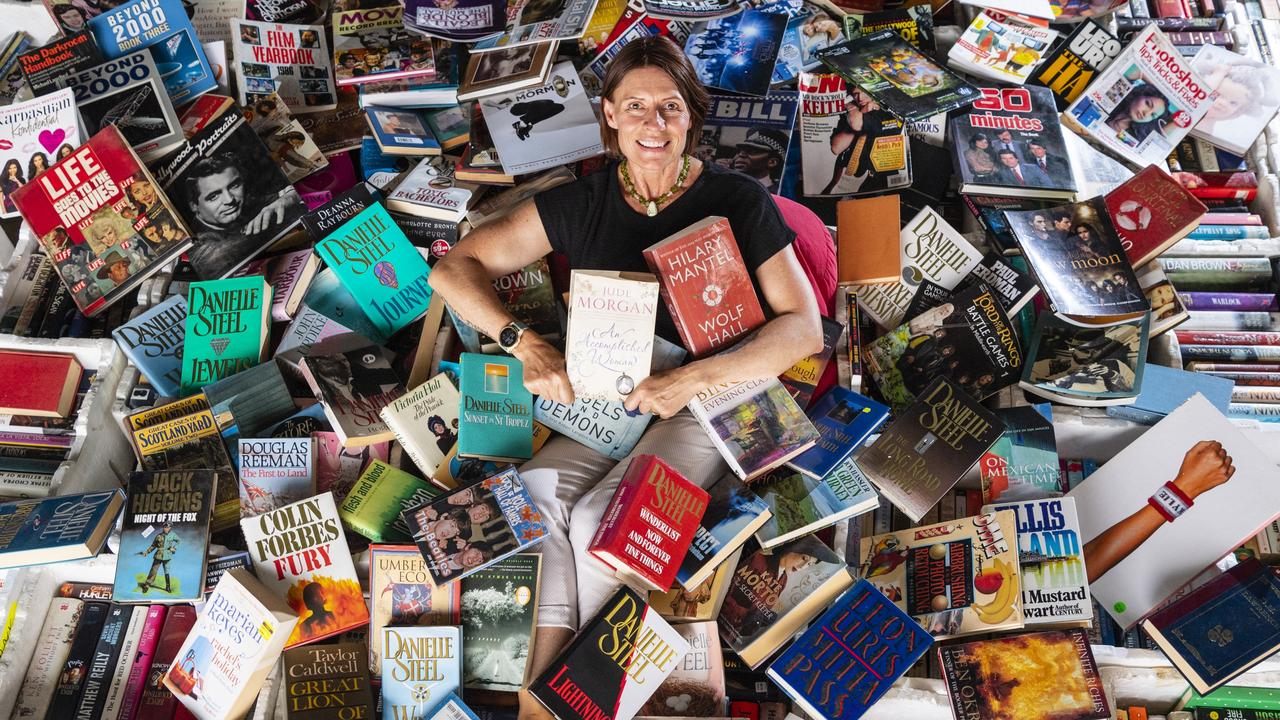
(496, 418)
(226, 331)
(373, 506)
(380, 267)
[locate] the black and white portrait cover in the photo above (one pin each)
(127, 92)
(235, 200)
(543, 127)
(750, 135)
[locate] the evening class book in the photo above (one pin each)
(153, 342)
(496, 418)
(844, 420)
(421, 667)
(227, 328)
(751, 455)
(850, 655)
(164, 537)
(48, 530)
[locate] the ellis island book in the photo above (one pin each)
(925, 451)
(774, 593)
(1054, 589)
(401, 595)
(236, 640)
(425, 421)
(850, 655)
(838, 160)
(275, 472)
(844, 420)
(166, 33)
(1023, 464)
(1040, 676)
(705, 285)
(1000, 47)
(650, 523)
(80, 211)
(499, 612)
(1222, 628)
(49, 530)
(799, 504)
(421, 666)
(1144, 103)
(955, 578)
(34, 131)
(733, 514)
(754, 36)
(1248, 97)
(292, 61)
(1151, 212)
(1069, 69)
(496, 418)
(696, 688)
(1010, 144)
(354, 386)
(897, 75)
(756, 425)
(543, 127)
(614, 664)
(1202, 473)
(300, 552)
(153, 342)
(373, 506)
(609, 339)
(371, 44)
(328, 682)
(1088, 366)
(128, 92)
(164, 536)
(226, 331)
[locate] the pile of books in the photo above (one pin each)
(1037, 438)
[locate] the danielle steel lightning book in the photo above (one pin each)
(756, 425)
(421, 666)
(1055, 591)
(227, 329)
(609, 341)
(275, 472)
(162, 28)
(401, 594)
(35, 131)
(499, 615)
(164, 536)
(614, 664)
(496, 417)
(733, 513)
(292, 61)
(300, 552)
(153, 342)
(67, 527)
(800, 504)
(354, 386)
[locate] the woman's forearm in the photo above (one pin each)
(779, 344)
(1116, 542)
(465, 284)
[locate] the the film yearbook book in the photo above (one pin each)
(153, 342)
(67, 527)
(543, 127)
(34, 131)
(1144, 103)
(1043, 676)
(401, 594)
(850, 655)
(101, 218)
(227, 328)
(1069, 69)
(49, 658)
(221, 180)
(421, 666)
(790, 432)
(128, 92)
(705, 285)
(292, 61)
(353, 387)
(162, 28)
(1150, 212)
(924, 452)
(300, 552)
(425, 421)
(236, 640)
(614, 664)
(1248, 97)
(1192, 446)
(1055, 591)
(501, 611)
(164, 536)
(1000, 47)
(275, 472)
(371, 44)
(1010, 144)
(328, 682)
(609, 340)
(836, 160)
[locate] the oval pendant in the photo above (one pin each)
(653, 208)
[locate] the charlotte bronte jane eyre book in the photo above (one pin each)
(402, 595)
(164, 536)
(609, 342)
(227, 329)
(421, 666)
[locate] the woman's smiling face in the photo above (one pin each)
(651, 118)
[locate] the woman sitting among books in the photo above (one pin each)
(653, 108)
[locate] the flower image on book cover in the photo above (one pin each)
(164, 536)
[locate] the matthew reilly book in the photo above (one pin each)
(614, 663)
(227, 328)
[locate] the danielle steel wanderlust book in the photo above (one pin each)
(1055, 591)
(275, 472)
(353, 387)
(421, 666)
(401, 595)
(799, 504)
(496, 418)
(300, 552)
(164, 537)
(756, 425)
(609, 341)
(733, 513)
(153, 342)
(705, 285)
(227, 329)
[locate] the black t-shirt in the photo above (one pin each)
(590, 222)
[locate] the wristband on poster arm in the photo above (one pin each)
(1170, 501)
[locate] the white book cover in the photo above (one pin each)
(35, 133)
(536, 24)
(425, 421)
(1054, 589)
(50, 656)
(543, 127)
(1040, 9)
(1000, 47)
(1134, 556)
(1144, 103)
(609, 343)
(430, 190)
(1248, 97)
(292, 61)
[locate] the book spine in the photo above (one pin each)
(1209, 337)
(1243, 353)
(136, 681)
(1255, 394)
(118, 674)
(20, 285)
(1263, 412)
(1246, 194)
(42, 287)
(94, 696)
(1248, 379)
(393, 423)
(1212, 367)
(1229, 232)
(1229, 301)
(157, 703)
(1136, 24)
(605, 538)
(1231, 320)
(1139, 8)
(49, 659)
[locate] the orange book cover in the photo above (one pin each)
(867, 232)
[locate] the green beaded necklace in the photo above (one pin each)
(653, 203)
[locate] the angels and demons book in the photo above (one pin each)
(354, 386)
(165, 536)
(227, 329)
(779, 428)
(1055, 591)
(401, 595)
(1010, 144)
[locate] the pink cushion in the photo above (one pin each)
(815, 249)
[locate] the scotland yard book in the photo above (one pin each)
(153, 342)
(353, 387)
(496, 419)
(733, 513)
(499, 614)
(421, 666)
(226, 329)
(1069, 69)
(844, 420)
(609, 340)
(162, 28)
(1055, 591)
(401, 594)
(164, 536)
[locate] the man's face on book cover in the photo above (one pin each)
(220, 197)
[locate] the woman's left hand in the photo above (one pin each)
(665, 393)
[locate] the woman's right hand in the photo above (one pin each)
(1205, 466)
(545, 373)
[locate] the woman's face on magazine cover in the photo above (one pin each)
(1232, 98)
(1147, 109)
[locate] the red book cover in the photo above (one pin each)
(1227, 337)
(1220, 185)
(157, 703)
(650, 523)
(706, 286)
(1152, 211)
(39, 384)
(202, 110)
(138, 672)
(103, 220)
(1171, 8)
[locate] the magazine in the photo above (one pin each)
(1248, 97)
(544, 127)
(897, 75)
(871, 159)
(751, 135)
(292, 61)
(456, 20)
(1000, 47)
(542, 21)
(809, 29)
(372, 44)
(737, 53)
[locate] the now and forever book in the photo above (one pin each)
(227, 329)
(756, 425)
(1054, 589)
(609, 340)
(164, 537)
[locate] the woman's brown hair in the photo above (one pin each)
(658, 52)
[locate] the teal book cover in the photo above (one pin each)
(421, 668)
(379, 266)
(228, 322)
(496, 418)
(1023, 464)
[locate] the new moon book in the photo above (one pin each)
(292, 61)
(499, 614)
(401, 595)
(609, 340)
(162, 28)
(756, 425)
(227, 328)
(1055, 592)
(1010, 144)
(153, 342)
(354, 386)
(35, 131)
(164, 537)
(102, 219)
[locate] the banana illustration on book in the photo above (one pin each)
(1001, 606)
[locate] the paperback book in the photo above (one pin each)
(1248, 96)
(1055, 591)
(844, 420)
(292, 148)
(67, 527)
(756, 425)
(292, 61)
(430, 190)
(540, 128)
(564, 21)
(164, 536)
(496, 416)
(1068, 69)
(507, 70)
(153, 341)
(701, 602)
(227, 325)
(499, 615)
(838, 160)
(1010, 144)
(425, 421)
(1089, 366)
(371, 44)
(913, 23)
(1001, 47)
(354, 386)
(50, 67)
(401, 131)
(799, 504)
(421, 667)
(609, 339)
(374, 505)
(167, 35)
(696, 688)
(1023, 464)
(275, 472)
(400, 595)
(328, 682)
(733, 513)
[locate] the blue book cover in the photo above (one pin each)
(164, 537)
(801, 505)
(844, 420)
(1166, 388)
(163, 28)
(850, 655)
(496, 418)
(452, 708)
(153, 343)
(401, 131)
(70, 527)
(733, 513)
(421, 670)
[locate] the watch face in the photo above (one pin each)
(508, 336)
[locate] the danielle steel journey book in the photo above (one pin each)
(164, 537)
(292, 61)
(35, 130)
(354, 386)
(67, 527)
(733, 513)
(421, 666)
(275, 472)
(300, 552)
(496, 418)
(162, 28)
(401, 595)
(614, 664)
(705, 285)
(425, 421)
(756, 425)
(153, 342)
(226, 331)
(609, 341)
(1054, 589)
(800, 504)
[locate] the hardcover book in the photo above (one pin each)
(35, 131)
(48, 388)
(1089, 366)
(850, 655)
(802, 378)
(191, 442)
(292, 61)
(167, 34)
(705, 285)
(1010, 144)
(371, 44)
(1230, 501)
(217, 673)
(153, 342)
(507, 70)
(328, 682)
(374, 505)
(1055, 591)
(499, 614)
(421, 667)
(425, 421)
(50, 67)
(401, 595)
(476, 526)
(925, 451)
(844, 420)
(466, 21)
(755, 425)
(650, 522)
(1248, 96)
(164, 536)
(914, 23)
(338, 468)
(1151, 212)
(1068, 69)
(1041, 676)
(530, 297)
(1023, 464)
(800, 504)
(128, 92)
(614, 664)
(216, 567)
(696, 688)
(496, 418)
(275, 472)
(401, 131)
(836, 160)
(227, 329)
(1165, 389)
(609, 341)
(542, 127)
(130, 673)
(333, 214)
(49, 530)
(290, 275)
(300, 553)
(354, 386)
(430, 190)
(98, 251)
(1001, 47)
(733, 513)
